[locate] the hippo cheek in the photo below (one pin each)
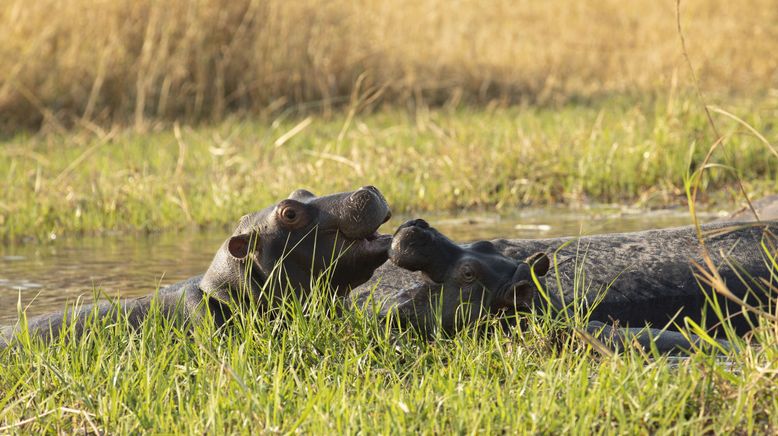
(422, 309)
(461, 312)
(433, 311)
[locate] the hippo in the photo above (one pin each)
(633, 279)
(462, 284)
(304, 236)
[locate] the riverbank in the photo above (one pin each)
(618, 150)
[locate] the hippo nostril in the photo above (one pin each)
(370, 188)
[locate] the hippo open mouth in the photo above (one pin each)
(376, 242)
(377, 235)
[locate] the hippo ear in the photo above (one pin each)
(239, 246)
(523, 293)
(520, 292)
(517, 295)
(539, 262)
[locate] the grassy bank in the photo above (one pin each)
(320, 373)
(139, 61)
(617, 150)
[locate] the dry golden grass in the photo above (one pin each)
(135, 61)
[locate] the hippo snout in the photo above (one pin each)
(362, 212)
(408, 248)
(362, 197)
(412, 233)
(374, 190)
(417, 246)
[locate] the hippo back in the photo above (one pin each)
(649, 277)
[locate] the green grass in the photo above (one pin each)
(313, 371)
(614, 150)
(308, 370)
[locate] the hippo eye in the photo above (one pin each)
(290, 215)
(467, 273)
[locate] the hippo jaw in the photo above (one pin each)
(305, 237)
(464, 283)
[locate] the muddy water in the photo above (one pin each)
(46, 276)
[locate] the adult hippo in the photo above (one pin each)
(304, 237)
(462, 284)
(634, 279)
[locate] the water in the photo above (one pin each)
(47, 275)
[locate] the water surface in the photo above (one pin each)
(45, 276)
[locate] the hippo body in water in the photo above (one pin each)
(476, 281)
(304, 236)
(634, 279)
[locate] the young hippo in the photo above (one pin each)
(303, 237)
(464, 283)
(635, 279)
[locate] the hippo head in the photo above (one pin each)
(303, 237)
(462, 283)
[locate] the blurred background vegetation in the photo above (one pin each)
(139, 61)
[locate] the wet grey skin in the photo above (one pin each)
(642, 278)
(305, 236)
